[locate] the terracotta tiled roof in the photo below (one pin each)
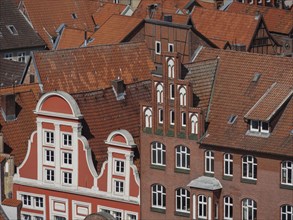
(72, 38)
(10, 72)
(104, 114)
(235, 93)
(270, 102)
(11, 202)
(24, 37)
(111, 31)
(207, 5)
(93, 68)
(225, 26)
(15, 142)
(277, 20)
(201, 76)
(47, 16)
(105, 11)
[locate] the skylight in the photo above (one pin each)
(232, 119)
(256, 77)
(12, 29)
(74, 16)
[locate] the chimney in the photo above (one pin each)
(168, 18)
(8, 107)
(119, 88)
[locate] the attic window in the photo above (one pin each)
(12, 29)
(259, 126)
(74, 16)
(232, 119)
(256, 77)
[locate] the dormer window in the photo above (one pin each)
(12, 29)
(259, 126)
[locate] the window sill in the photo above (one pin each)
(284, 186)
(257, 134)
(181, 170)
(249, 181)
(158, 167)
(182, 214)
(153, 209)
(229, 178)
(209, 174)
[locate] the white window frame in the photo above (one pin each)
(118, 186)
(172, 91)
(158, 154)
(48, 153)
(159, 191)
(67, 162)
(33, 201)
(111, 211)
(8, 56)
(160, 93)
(66, 142)
(9, 27)
(67, 178)
(172, 117)
(194, 124)
(183, 119)
(260, 127)
(286, 211)
(21, 57)
(182, 96)
(202, 206)
(119, 167)
(183, 196)
(27, 200)
(158, 48)
(51, 139)
(209, 161)
(228, 164)
(130, 215)
(250, 163)
(262, 130)
(49, 172)
(161, 115)
(182, 154)
(228, 208)
(286, 173)
(252, 127)
(38, 201)
(169, 47)
(171, 68)
(249, 206)
(148, 118)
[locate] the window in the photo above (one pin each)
(228, 165)
(67, 178)
(171, 73)
(249, 167)
(21, 57)
(74, 16)
(116, 214)
(158, 154)
(182, 157)
(26, 217)
(228, 208)
(158, 196)
(248, 209)
(26, 200)
(259, 126)
(172, 92)
(12, 29)
(50, 175)
(39, 202)
(287, 173)
(159, 93)
(202, 207)
(286, 212)
(119, 167)
(59, 218)
(158, 47)
(49, 137)
(182, 200)
(67, 158)
(194, 124)
(172, 117)
(171, 48)
(148, 118)
(161, 116)
(38, 218)
(131, 217)
(8, 56)
(49, 155)
(67, 140)
(119, 186)
(182, 95)
(183, 119)
(209, 162)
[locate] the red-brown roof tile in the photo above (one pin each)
(219, 26)
(111, 31)
(11, 202)
(235, 93)
(207, 5)
(277, 20)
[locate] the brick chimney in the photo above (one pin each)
(8, 107)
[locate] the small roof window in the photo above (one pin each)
(256, 77)
(74, 16)
(12, 29)
(232, 119)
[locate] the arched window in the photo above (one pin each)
(228, 208)
(182, 200)
(182, 95)
(194, 124)
(158, 196)
(202, 207)
(287, 173)
(182, 157)
(158, 154)
(249, 211)
(171, 68)
(249, 167)
(159, 93)
(286, 212)
(148, 118)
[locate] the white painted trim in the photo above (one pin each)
(209, 208)
(194, 207)
(127, 136)
(32, 214)
(76, 203)
(115, 160)
(130, 213)
(53, 212)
